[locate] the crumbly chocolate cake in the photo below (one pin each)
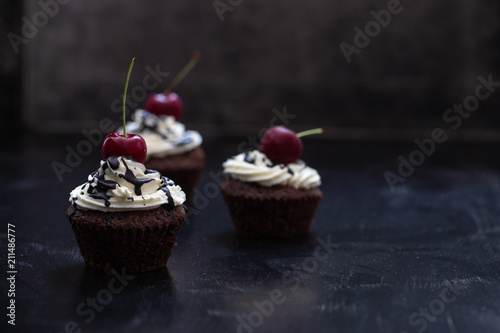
(184, 169)
(276, 211)
(138, 241)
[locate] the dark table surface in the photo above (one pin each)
(422, 258)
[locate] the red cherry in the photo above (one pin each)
(169, 103)
(161, 104)
(281, 145)
(116, 144)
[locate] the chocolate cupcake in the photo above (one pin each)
(171, 149)
(126, 216)
(270, 200)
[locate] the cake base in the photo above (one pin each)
(277, 211)
(184, 169)
(138, 241)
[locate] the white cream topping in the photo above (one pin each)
(163, 135)
(122, 184)
(254, 166)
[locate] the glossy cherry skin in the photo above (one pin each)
(281, 145)
(169, 105)
(133, 145)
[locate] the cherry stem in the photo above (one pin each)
(125, 96)
(310, 132)
(182, 74)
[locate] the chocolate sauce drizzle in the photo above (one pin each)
(101, 187)
(282, 166)
(184, 141)
(248, 158)
(151, 124)
(251, 159)
(132, 179)
(112, 162)
(101, 195)
(167, 182)
(98, 186)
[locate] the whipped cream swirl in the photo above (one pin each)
(163, 135)
(122, 184)
(254, 166)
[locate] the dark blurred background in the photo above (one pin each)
(63, 64)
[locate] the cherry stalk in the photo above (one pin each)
(118, 144)
(185, 71)
(169, 103)
(125, 96)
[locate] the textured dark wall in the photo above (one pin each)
(10, 68)
(263, 55)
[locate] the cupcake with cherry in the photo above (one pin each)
(172, 150)
(270, 192)
(126, 216)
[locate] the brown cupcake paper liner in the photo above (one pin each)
(267, 213)
(137, 241)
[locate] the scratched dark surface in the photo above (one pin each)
(431, 245)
